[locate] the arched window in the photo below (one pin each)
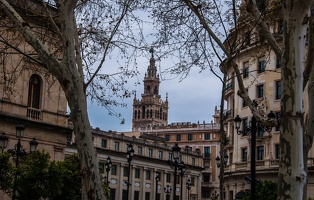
(160, 113)
(143, 112)
(151, 113)
(34, 90)
(135, 115)
(139, 114)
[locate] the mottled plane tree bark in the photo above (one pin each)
(194, 29)
(84, 33)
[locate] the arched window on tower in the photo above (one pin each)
(151, 113)
(139, 114)
(143, 111)
(135, 114)
(147, 113)
(155, 90)
(148, 89)
(34, 91)
(160, 113)
(155, 113)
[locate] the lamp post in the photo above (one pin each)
(167, 191)
(129, 156)
(157, 179)
(221, 165)
(188, 186)
(181, 168)
(176, 155)
(108, 167)
(252, 130)
(18, 150)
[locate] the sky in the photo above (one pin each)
(190, 100)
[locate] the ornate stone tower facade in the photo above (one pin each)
(151, 110)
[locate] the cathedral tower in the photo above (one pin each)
(151, 110)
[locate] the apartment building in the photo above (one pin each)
(261, 72)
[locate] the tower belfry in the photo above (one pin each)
(151, 110)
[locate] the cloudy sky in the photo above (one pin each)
(190, 100)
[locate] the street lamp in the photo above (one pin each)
(108, 167)
(188, 186)
(167, 191)
(18, 150)
(129, 156)
(218, 161)
(176, 155)
(252, 130)
(181, 168)
(157, 179)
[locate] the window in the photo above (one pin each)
(160, 155)
(112, 193)
(137, 173)
(244, 154)
(104, 143)
(193, 161)
(147, 174)
(260, 153)
(139, 151)
(178, 137)
(278, 89)
(206, 152)
(277, 151)
(190, 137)
(192, 181)
(125, 171)
(136, 195)
(207, 136)
(167, 137)
(246, 70)
(147, 195)
(244, 103)
(261, 66)
(168, 178)
(260, 131)
(260, 91)
(169, 156)
(34, 89)
(116, 146)
(150, 153)
(124, 194)
(277, 128)
(206, 178)
(101, 167)
(113, 169)
(278, 62)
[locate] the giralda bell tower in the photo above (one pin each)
(151, 110)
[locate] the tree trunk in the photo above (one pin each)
(292, 174)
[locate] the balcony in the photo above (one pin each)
(207, 184)
(34, 114)
(241, 165)
(229, 115)
(229, 89)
